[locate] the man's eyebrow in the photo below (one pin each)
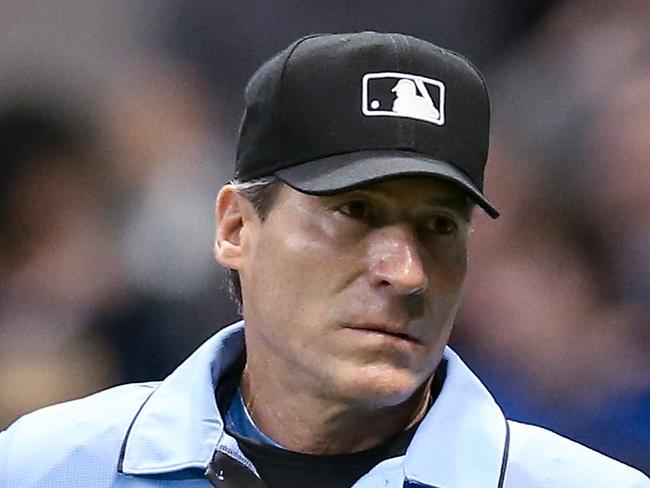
(450, 201)
(460, 204)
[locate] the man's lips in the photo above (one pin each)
(396, 331)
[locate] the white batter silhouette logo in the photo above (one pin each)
(403, 95)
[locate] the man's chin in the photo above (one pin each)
(379, 388)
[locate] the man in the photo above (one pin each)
(345, 232)
(409, 103)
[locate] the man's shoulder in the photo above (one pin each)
(84, 432)
(78, 420)
(539, 457)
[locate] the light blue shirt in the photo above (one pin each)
(238, 420)
(165, 434)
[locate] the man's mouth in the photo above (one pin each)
(389, 330)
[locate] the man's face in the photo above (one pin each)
(353, 296)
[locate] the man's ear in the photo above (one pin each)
(232, 212)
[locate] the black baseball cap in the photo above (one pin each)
(333, 112)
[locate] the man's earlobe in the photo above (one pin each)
(230, 223)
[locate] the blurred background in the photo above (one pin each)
(118, 123)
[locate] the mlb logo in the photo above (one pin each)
(403, 95)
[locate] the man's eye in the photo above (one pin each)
(356, 210)
(442, 225)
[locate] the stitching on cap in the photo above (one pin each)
(411, 127)
(278, 108)
(400, 124)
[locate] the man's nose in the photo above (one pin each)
(397, 260)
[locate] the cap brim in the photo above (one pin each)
(352, 170)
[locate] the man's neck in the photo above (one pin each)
(310, 424)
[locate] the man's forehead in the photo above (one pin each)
(427, 189)
(433, 185)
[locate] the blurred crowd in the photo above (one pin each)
(117, 127)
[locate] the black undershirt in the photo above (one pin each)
(281, 468)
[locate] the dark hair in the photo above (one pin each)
(261, 192)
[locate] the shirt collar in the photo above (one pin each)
(461, 442)
(179, 426)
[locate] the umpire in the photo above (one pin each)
(345, 233)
